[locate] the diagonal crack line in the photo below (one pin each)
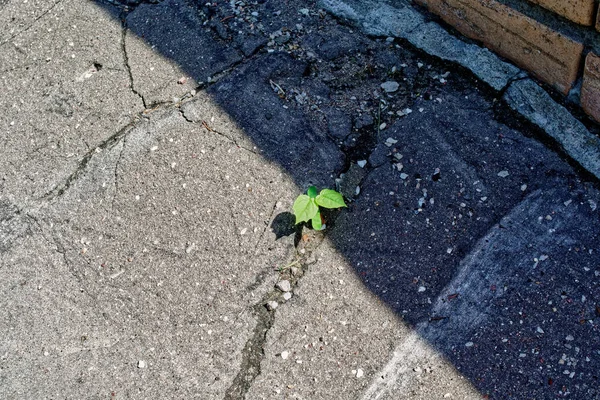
(253, 352)
(210, 129)
(59, 190)
(126, 59)
(254, 349)
(267, 222)
(116, 172)
(42, 15)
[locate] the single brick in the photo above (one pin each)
(590, 91)
(549, 55)
(579, 11)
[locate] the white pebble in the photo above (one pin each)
(285, 354)
(359, 373)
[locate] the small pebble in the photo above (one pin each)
(285, 354)
(284, 285)
(570, 338)
(359, 373)
(287, 296)
(362, 163)
(421, 289)
(503, 174)
(390, 86)
(469, 344)
(271, 305)
(141, 364)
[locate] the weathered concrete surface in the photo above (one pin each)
(65, 90)
(338, 336)
(142, 262)
(144, 258)
(401, 20)
(177, 50)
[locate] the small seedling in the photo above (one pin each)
(306, 206)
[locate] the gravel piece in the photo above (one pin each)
(284, 285)
(390, 86)
(272, 305)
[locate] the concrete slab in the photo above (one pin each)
(170, 51)
(151, 266)
(65, 90)
(333, 337)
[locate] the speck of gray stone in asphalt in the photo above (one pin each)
(272, 305)
(390, 86)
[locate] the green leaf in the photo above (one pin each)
(304, 208)
(317, 222)
(330, 199)
(312, 192)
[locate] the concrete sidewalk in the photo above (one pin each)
(151, 153)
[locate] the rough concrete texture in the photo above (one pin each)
(167, 36)
(377, 18)
(146, 240)
(76, 73)
(531, 101)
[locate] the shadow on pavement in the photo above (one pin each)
(472, 231)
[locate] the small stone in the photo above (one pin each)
(362, 163)
(287, 296)
(142, 364)
(390, 141)
(539, 330)
(272, 305)
(285, 354)
(523, 188)
(390, 86)
(421, 289)
(403, 176)
(360, 373)
(284, 285)
(382, 126)
(503, 174)
(469, 344)
(570, 338)
(304, 11)
(295, 271)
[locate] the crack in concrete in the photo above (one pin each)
(116, 171)
(254, 352)
(266, 225)
(210, 129)
(110, 142)
(126, 59)
(42, 15)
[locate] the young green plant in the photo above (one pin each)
(306, 206)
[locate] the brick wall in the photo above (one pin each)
(555, 40)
